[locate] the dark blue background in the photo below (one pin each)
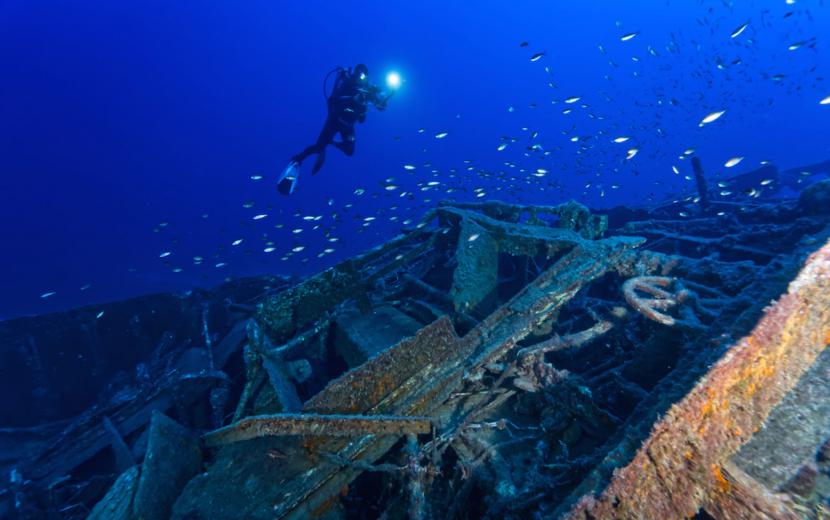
(116, 116)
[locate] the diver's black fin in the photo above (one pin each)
(288, 179)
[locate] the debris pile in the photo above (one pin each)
(493, 360)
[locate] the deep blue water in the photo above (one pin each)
(118, 116)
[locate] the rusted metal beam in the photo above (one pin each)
(683, 466)
(559, 343)
(315, 424)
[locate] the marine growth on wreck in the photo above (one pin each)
(492, 360)
(430, 260)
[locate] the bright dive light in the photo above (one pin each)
(393, 80)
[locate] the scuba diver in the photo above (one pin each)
(347, 104)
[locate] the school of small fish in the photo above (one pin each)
(590, 141)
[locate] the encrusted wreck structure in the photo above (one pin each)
(493, 361)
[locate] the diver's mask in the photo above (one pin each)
(361, 73)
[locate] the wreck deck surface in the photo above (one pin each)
(494, 360)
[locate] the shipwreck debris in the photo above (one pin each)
(315, 424)
(683, 465)
(149, 490)
(661, 300)
(483, 363)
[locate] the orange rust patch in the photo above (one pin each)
(705, 411)
(324, 506)
(782, 346)
(723, 484)
(760, 368)
(312, 444)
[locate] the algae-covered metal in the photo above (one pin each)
(493, 360)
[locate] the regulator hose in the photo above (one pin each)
(326, 80)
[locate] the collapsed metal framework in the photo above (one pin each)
(426, 374)
(494, 360)
(465, 384)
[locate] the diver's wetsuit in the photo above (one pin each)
(347, 105)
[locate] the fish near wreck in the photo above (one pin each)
(512, 379)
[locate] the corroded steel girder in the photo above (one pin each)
(315, 424)
(683, 466)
